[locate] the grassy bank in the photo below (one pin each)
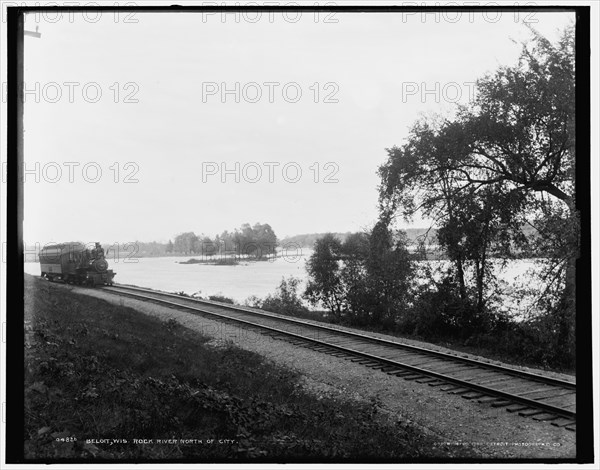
(99, 371)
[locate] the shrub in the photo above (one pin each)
(221, 298)
(286, 299)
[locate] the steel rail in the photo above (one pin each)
(531, 403)
(447, 356)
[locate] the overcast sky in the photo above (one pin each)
(134, 116)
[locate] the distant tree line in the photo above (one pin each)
(308, 240)
(258, 241)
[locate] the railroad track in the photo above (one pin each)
(530, 395)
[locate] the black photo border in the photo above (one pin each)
(15, 192)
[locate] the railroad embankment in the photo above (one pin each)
(104, 381)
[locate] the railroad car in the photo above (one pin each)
(74, 263)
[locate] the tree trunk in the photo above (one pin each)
(480, 267)
(454, 244)
(567, 306)
(461, 278)
(566, 313)
(481, 277)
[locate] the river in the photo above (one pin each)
(262, 278)
(237, 282)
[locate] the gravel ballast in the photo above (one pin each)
(455, 422)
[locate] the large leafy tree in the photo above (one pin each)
(389, 272)
(519, 131)
(363, 280)
(324, 286)
(506, 158)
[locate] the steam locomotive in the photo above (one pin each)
(74, 263)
